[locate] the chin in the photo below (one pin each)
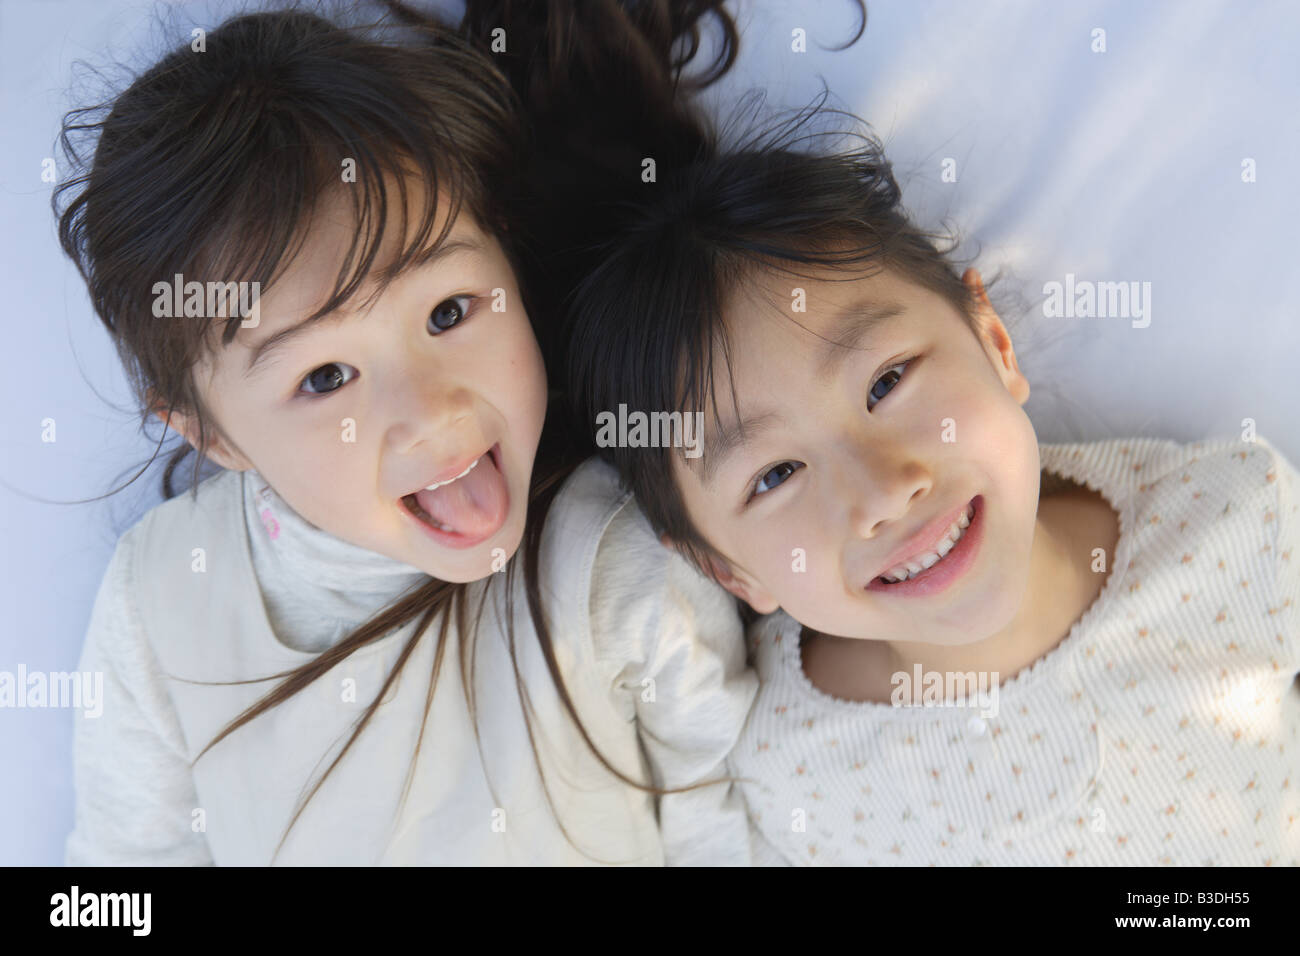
(507, 539)
(971, 636)
(999, 611)
(478, 562)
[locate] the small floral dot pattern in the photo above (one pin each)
(1163, 730)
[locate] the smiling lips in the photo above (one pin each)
(911, 554)
(931, 556)
(940, 555)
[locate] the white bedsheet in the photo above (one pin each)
(1123, 165)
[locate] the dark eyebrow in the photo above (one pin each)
(730, 437)
(429, 256)
(856, 323)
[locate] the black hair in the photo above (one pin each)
(213, 163)
(646, 321)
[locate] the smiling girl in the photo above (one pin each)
(380, 422)
(872, 489)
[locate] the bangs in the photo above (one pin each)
(366, 148)
(696, 364)
(258, 244)
(215, 166)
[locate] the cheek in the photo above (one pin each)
(788, 554)
(987, 424)
(268, 441)
(533, 371)
(514, 367)
(320, 483)
(327, 472)
(996, 440)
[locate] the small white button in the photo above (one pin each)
(977, 726)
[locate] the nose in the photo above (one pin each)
(880, 485)
(429, 408)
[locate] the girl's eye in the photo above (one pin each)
(888, 379)
(774, 476)
(326, 379)
(448, 313)
(445, 315)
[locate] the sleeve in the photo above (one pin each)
(134, 791)
(1286, 548)
(672, 642)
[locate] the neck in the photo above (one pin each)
(1037, 627)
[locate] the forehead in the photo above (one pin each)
(774, 350)
(333, 240)
(773, 320)
(331, 246)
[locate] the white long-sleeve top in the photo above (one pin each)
(652, 655)
(1163, 730)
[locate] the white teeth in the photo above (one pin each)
(439, 484)
(928, 559)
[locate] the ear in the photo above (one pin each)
(187, 426)
(734, 579)
(994, 338)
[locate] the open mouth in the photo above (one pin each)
(934, 569)
(413, 506)
(464, 509)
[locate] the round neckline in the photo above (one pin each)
(1063, 457)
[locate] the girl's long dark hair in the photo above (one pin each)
(211, 164)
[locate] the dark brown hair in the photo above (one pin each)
(213, 164)
(646, 323)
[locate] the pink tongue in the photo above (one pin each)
(475, 504)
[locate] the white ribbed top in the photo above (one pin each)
(1164, 728)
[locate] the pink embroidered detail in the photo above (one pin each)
(272, 526)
